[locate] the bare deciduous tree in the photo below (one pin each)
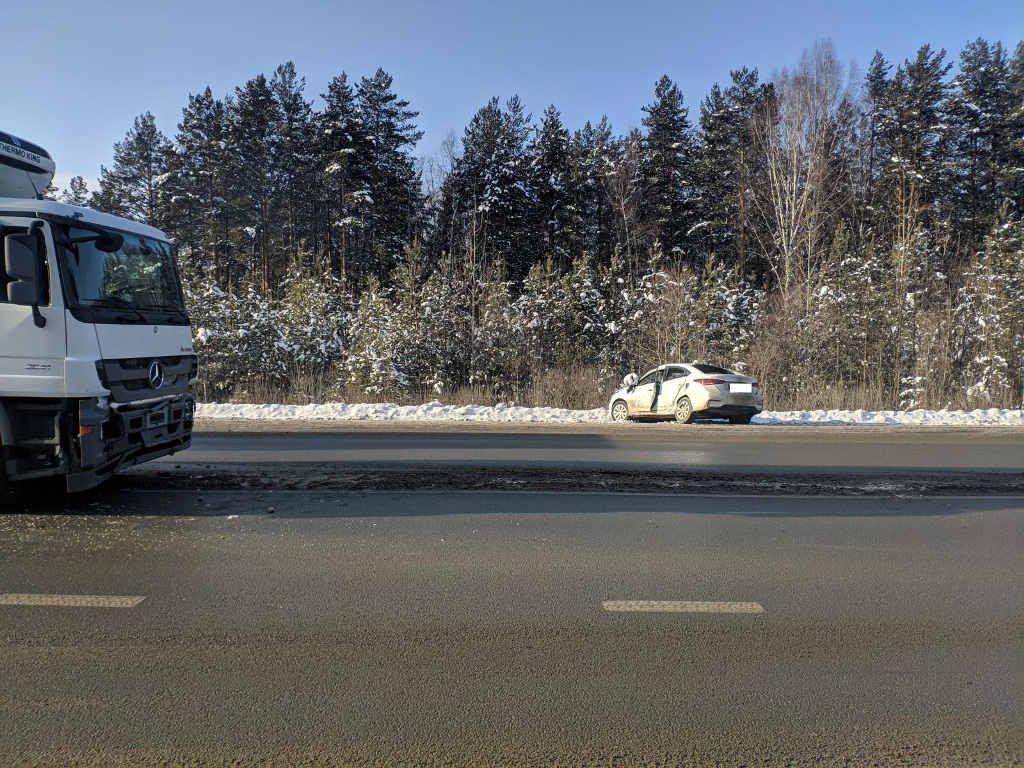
(800, 134)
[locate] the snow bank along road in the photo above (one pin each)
(437, 411)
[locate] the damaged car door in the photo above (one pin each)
(643, 396)
(673, 382)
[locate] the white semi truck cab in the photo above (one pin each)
(96, 356)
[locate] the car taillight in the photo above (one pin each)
(755, 385)
(709, 382)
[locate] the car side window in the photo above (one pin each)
(674, 373)
(648, 378)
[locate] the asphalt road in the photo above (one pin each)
(669, 458)
(300, 628)
(850, 597)
(705, 446)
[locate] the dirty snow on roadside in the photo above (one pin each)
(436, 411)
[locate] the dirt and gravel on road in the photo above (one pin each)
(312, 477)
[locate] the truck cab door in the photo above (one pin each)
(31, 357)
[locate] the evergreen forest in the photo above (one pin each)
(853, 239)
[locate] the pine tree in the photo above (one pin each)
(131, 186)
(293, 161)
(912, 131)
(912, 137)
(990, 318)
(870, 159)
(666, 172)
(446, 339)
(499, 361)
(626, 299)
(238, 334)
(846, 328)
(77, 193)
(313, 310)
(392, 209)
(722, 316)
(551, 177)
(489, 209)
(372, 363)
(254, 121)
(595, 153)
(196, 215)
(980, 105)
(342, 147)
(208, 308)
(1015, 129)
(728, 170)
(563, 315)
(669, 294)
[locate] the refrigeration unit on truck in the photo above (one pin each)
(96, 352)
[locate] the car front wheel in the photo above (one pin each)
(620, 411)
(684, 410)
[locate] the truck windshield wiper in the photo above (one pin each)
(179, 313)
(118, 301)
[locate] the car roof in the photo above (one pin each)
(698, 366)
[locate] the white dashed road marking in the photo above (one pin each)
(71, 601)
(681, 606)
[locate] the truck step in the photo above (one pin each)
(37, 442)
(39, 474)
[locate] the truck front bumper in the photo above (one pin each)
(124, 435)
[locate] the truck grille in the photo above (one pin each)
(141, 378)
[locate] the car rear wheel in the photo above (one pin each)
(684, 410)
(620, 411)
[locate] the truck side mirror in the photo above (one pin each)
(21, 261)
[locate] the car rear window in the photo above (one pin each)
(705, 368)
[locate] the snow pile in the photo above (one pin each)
(989, 417)
(436, 411)
(432, 411)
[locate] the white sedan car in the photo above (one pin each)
(687, 391)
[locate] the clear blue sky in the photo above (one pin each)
(76, 74)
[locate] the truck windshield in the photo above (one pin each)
(140, 276)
